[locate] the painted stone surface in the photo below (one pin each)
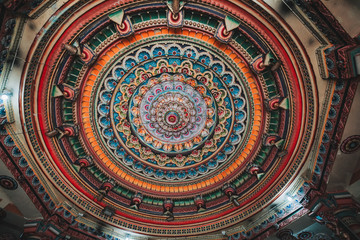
(168, 113)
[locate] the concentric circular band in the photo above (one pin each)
(157, 118)
(228, 95)
(170, 116)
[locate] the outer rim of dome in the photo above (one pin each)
(308, 68)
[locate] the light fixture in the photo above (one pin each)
(5, 94)
(4, 97)
(291, 199)
(127, 236)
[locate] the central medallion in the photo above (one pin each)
(171, 118)
(172, 114)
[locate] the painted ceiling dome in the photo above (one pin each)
(179, 118)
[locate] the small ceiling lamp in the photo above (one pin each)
(229, 190)
(200, 203)
(105, 188)
(255, 170)
(5, 94)
(168, 210)
(136, 201)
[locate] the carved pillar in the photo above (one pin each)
(44, 229)
(338, 212)
(347, 217)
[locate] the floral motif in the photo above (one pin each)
(171, 116)
(171, 112)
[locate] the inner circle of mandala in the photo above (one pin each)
(125, 76)
(172, 117)
(174, 114)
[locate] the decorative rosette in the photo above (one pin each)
(171, 113)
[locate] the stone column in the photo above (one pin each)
(347, 216)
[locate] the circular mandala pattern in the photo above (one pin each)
(8, 182)
(167, 120)
(168, 116)
(351, 144)
(171, 116)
